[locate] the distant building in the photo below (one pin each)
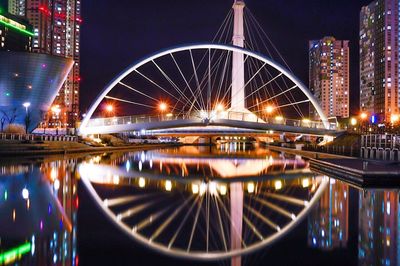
(17, 7)
(30, 78)
(379, 59)
(329, 78)
(328, 222)
(56, 27)
(15, 33)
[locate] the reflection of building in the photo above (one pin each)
(379, 26)
(44, 215)
(329, 76)
(378, 228)
(329, 221)
(30, 78)
(15, 34)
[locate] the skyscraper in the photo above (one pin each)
(17, 7)
(329, 79)
(56, 27)
(379, 59)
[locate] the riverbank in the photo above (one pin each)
(63, 148)
(308, 154)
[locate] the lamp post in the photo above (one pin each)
(162, 107)
(26, 105)
(27, 116)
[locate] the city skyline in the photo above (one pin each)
(314, 22)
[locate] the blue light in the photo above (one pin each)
(373, 119)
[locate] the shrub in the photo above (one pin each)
(15, 129)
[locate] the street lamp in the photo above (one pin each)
(394, 118)
(162, 107)
(269, 109)
(220, 107)
(26, 105)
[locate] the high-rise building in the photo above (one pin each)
(379, 59)
(15, 33)
(56, 27)
(17, 7)
(329, 78)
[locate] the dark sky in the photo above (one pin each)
(115, 34)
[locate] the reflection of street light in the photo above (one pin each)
(26, 105)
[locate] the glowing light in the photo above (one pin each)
(41, 225)
(11, 255)
(269, 109)
(116, 179)
(278, 184)
(306, 121)
(394, 118)
(220, 107)
(26, 104)
(169, 115)
(203, 188)
(222, 190)
(14, 215)
(212, 187)
(305, 182)
(9, 23)
(5, 195)
(353, 121)
(25, 193)
(162, 106)
(195, 189)
(53, 174)
(279, 118)
(250, 187)
(109, 108)
(363, 116)
(56, 184)
(142, 182)
(168, 185)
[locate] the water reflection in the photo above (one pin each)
(38, 210)
(200, 205)
(194, 202)
(328, 223)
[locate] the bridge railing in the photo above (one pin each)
(230, 115)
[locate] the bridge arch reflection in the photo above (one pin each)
(210, 214)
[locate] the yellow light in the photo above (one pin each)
(222, 190)
(305, 182)
(56, 109)
(115, 179)
(269, 109)
(212, 187)
(142, 182)
(168, 185)
(220, 107)
(169, 115)
(53, 174)
(195, 189)
(250, 187)
(279, 118)
(394, 118)
(306, 120)
(278, 184)
(363, 116)
(109, 108)
(162, 107)
(353, 121)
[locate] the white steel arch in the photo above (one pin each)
(191, 47)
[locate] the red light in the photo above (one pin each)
(79, 20)
(76, 202)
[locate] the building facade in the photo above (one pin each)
(329, 79)
(15, 34)
(56, 27)
(379, 59)
(17, 7)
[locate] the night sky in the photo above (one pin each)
(116, 34)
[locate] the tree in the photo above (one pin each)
(28, 121)
(2, 122)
